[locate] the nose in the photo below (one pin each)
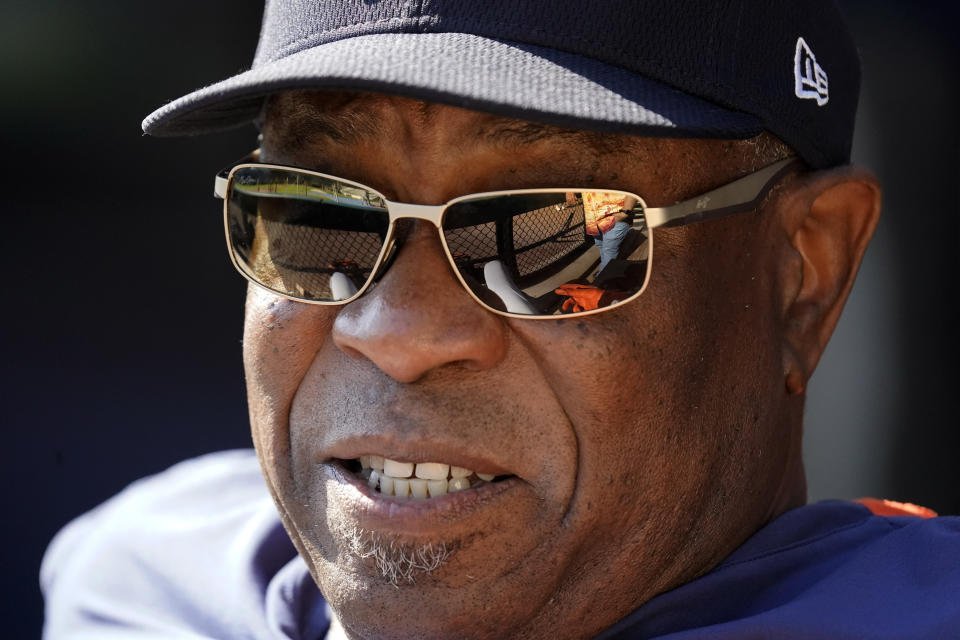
(418, 317)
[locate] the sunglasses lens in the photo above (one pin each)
(549, 253)
(302, 235)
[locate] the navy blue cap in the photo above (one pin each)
(673, 68)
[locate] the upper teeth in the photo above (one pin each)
(430, 479)
(397, 469)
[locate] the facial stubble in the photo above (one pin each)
(398, 563)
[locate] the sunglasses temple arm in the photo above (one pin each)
(738, 196)
(220, 185)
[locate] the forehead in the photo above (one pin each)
(308, 128)
(299, 116)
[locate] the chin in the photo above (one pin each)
(394, 593)
(473, 566)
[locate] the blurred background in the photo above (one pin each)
(122, 322)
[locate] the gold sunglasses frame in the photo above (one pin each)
(739, 196)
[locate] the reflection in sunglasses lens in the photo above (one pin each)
(304, 236)
(549, 253)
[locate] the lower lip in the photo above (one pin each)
(375, 511)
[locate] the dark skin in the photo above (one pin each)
(620, 492)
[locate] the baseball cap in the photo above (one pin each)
(669, 68)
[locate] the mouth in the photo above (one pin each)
(416, 480)
(421, 490)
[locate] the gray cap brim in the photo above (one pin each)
(516, 80)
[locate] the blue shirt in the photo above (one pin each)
(198, 551)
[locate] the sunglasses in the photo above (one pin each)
(530, 253)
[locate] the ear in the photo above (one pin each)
(829, 218)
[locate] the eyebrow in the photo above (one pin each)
(343, 127)
(502, 129)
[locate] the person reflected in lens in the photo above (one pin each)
(608, 221)
(607, 217)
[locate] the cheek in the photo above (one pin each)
(280, 340)
(719, 280)
(662, 390)
(620, 378)
(607, 373)
(608, 370)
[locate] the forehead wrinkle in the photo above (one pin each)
(499, 129)
(299, 118)
(345, 127)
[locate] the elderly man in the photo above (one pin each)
(469, 431)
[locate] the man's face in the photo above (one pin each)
(641, 445)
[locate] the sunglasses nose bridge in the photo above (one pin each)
(399, 211)
(429, 212)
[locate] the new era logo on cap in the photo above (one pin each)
(810, 80)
